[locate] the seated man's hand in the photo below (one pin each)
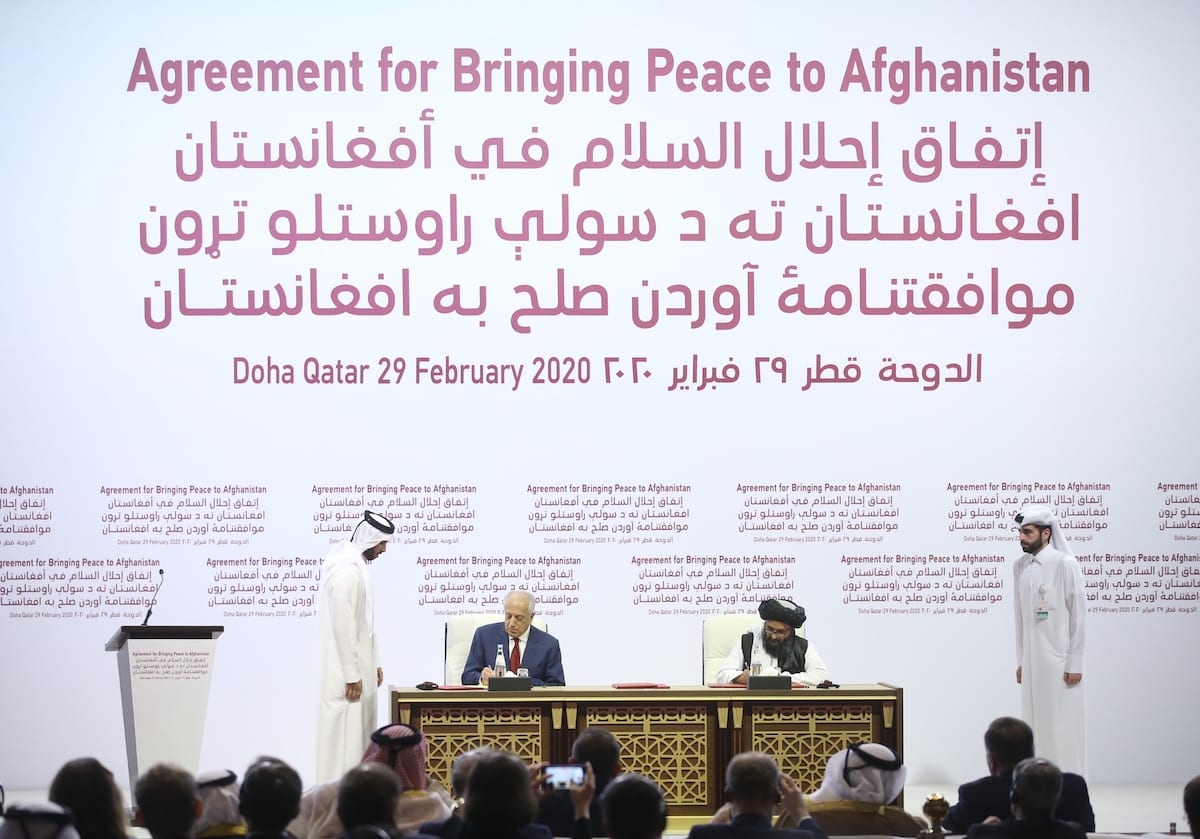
(582, 794)
(537, 778)
(793, 799)
(724, 815)
(485, 674)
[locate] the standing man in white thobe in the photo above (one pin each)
(1050, 616)
(350, 672)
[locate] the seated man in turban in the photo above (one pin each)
(220, 817)
(777, 648)
(399, 747)
(857, 796)
(37, 820)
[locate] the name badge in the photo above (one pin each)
(1042, 609)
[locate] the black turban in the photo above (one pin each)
(784, 611)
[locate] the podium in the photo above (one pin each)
(165, 675)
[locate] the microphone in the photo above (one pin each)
(154, 598)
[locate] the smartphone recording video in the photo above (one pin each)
(563, 776)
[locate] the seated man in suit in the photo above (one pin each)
(367, 796)
(777, 648)
(523, 645)
(754, 785)
(460, 777)
(1036, 785)
(168, 802)
(598, 748)
(634, 807)
(269, 798)
(1007, 742)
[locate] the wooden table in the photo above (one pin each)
(682, 737)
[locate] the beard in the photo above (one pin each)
(777, 648)
(1034, 545)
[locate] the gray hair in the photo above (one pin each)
(526, 595)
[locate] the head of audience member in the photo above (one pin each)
(600, 748)
(168, 803)
(219, 815)
(1191, 803)
(499, 796)
(864, 772)
(781, 619)
(367, 795)
(403, 749)
(518, 612)
(88, 790)
(460, 770)
(1036, 786)
(1008, 741)
(752, 783)
(270, 795)
(37, 820)
(634, 807)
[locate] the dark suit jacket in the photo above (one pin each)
(989, 797)
(540, 655)
(557, 813)
(752, 826)
(1028, 829)
(455, 828)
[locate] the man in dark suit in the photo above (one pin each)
(1008, 741)
(521, 643)
(598, 748)
(1036, 786)
(634, 807)
(460, 775)
(754, 785)
(269, 798)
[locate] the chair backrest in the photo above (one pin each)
(721, 634)
(460, 629)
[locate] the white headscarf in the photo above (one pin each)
(372, 530)
(219, 795)
(1043, 516)
(850, 777)
(37, 820)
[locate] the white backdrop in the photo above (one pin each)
(821, 338)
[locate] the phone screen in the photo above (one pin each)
(562, 776)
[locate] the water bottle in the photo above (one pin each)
(500, 666)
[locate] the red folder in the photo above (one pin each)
(640, 686)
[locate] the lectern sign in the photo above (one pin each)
(165, 673)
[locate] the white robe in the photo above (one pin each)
(349, 653)
(814, 673)
(1046, 649)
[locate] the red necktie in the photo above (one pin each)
(515, 658)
